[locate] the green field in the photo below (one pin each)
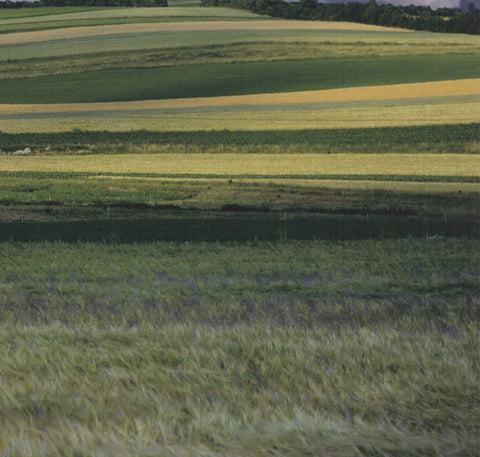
(290, 278)
(51, 18)
(234, 79)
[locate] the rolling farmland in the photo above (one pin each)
(223, 234)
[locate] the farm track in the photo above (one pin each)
(90, 31)
(396, 91)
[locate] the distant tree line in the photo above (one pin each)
(409, 17)
(39, 3)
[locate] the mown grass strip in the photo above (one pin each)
(411, 135)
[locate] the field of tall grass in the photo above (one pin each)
(352, 349)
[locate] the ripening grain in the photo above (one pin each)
(258, 164)
(249, 119)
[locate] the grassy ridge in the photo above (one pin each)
(388, 136)
(235, 79)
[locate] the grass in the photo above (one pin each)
(363, 41)
(217, 54)
(455, 138)
(349, 194)
(59, 15)
(251, 117)
(407, 284)
(226, 293)
(175, 349)
(267, 165)
(200, 55)
(234, 79)
(106, 16)
(214, 391)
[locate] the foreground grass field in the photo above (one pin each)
(176, 349)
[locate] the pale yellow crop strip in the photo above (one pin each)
(254, 164)
(394, 91)
(250, 119)
(88, 31)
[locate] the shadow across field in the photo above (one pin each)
(243, 227)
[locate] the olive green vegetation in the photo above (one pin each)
(82, 206)
(302, 348)
(98, 16)
(454, 138)
(235, 79)
(407, 284)
(59, 15)
(219, 54)
(370, 43)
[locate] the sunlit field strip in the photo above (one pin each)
(258, 164)
(88, 31)
(250, 120)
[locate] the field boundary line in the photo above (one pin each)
(394, 91)
(89, 31)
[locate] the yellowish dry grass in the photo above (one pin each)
(347, 117)
(88, 31)
(394, 91)
(258, 164)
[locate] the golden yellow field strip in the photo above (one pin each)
(348, 117)
(256, 164)
(88, 31)
(394, 91)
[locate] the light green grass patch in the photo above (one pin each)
(216, 54)
(85, 14)
(435, 43)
